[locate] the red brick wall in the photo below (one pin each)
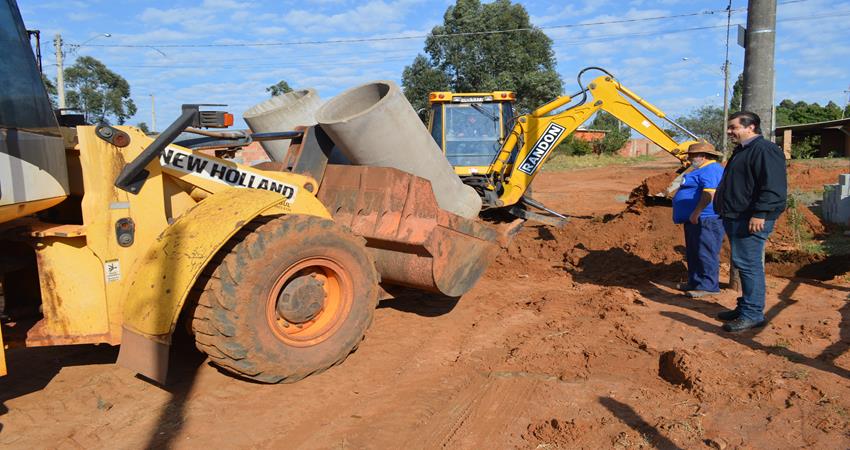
(639, 147)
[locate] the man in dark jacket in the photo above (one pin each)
(750, 198)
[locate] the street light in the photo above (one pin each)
(60, 65)
(77, 46)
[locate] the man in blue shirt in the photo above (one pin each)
(692, 206)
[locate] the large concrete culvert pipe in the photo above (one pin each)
(282, 113)
(375, 125)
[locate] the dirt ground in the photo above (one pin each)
(575, 338)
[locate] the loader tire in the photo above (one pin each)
(290, 296)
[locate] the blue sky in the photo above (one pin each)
(261, 42)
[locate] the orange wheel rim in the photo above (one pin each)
(329, 282)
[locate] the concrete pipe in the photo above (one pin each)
(375, 125)
(283, 113)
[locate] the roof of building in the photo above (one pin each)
(815, 126)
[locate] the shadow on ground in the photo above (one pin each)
(616, 267)
(425, 304)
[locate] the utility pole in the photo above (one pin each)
(759, 78)
(153, 114)
(60, 71)
(848, 102)
(726, 83)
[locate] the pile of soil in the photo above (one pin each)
(805, 177)
(642, 241)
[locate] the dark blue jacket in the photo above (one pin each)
(754, 183)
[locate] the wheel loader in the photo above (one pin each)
(112, 237)
(499, 152)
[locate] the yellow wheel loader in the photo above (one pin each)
(499, 153)
(109, 236)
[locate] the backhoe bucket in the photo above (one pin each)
(414, 242)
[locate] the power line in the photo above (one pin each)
(399, 38)
(207, 64)
(444, 35)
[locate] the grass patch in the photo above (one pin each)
(803, 237)
(781, 343)
(823, 162)
(570, 162)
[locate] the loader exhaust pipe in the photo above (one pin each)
(375, 125)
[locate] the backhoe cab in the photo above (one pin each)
(499, 154)
(471, 127)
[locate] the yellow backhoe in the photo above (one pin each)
(499, 153)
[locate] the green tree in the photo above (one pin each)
(706, 122)
(280, 88)
(616, 136)
(418, 80)
(574, 146)
(50, 87)
(520, 61)
(789, 112)
(143, 126)
(99, 92)
(737, 94)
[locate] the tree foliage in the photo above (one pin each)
(143, 127)
(574, 146)
(50, 87)
(279, 88)
(616, 136)
(419, 79)
(789, 112)
(99, 92)
(520, 61)
(737, 94)
(706, 122)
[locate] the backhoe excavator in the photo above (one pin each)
(499, 153)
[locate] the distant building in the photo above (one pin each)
(834, 136)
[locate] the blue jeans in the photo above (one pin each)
(748, 258)
(702, 250)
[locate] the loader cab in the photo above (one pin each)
(471, 127)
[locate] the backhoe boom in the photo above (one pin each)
(539, 133)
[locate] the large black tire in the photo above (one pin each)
(239, 323)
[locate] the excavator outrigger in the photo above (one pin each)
(528, 140)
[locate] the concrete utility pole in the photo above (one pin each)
(60, 71)
(759, 77)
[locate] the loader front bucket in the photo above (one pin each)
(414, 242)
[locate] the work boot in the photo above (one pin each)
(698, 293)
(727, 316)
(742, 324)
(684, 287)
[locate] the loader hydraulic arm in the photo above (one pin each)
(539, 133)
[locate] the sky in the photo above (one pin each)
(229, 51)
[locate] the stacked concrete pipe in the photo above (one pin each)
(283, 113)
(375, 125)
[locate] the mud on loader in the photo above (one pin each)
(109, 236)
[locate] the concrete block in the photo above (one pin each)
(836, 200)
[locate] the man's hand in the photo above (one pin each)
(756, 225)
(694, 219)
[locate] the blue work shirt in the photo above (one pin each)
(703, 179)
